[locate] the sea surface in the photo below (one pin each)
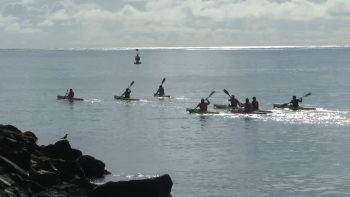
(286, 153)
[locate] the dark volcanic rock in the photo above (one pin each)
(62, 150)
(31, 186)
(20, 192)
(46, 165)
(92, 167)
(3, 193)
(66, 177)
(30, 136)
(53, 192)
(45, 178)
(154, 187)
(70, 167)
(9, 179)
(10, 167)
(10, 128)
(83, 183)
(19, 156)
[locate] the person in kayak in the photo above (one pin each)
(247, 105)
(234, 101)
(160, 91)
(203, 105)
(127, 93)
(295, 102)
(255, 103)
(71, 94)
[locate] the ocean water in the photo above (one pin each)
(287, 153)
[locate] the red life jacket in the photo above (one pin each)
(234, 102)
(127, 94)
(256, 103)
(72, 94)
(161, 90)
(249, 105)
(204, 107)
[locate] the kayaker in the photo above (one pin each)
(295, 101)
(255, 103)
(233, 101)
(160, 91)
(71, 94)
(203, 105)
(247, 105)
(127, 93)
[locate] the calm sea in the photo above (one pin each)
(287, 153)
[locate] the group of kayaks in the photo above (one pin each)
(238, 109)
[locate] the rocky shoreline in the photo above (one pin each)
(58, 170)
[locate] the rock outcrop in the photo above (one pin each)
(28, 170)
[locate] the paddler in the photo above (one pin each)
(160, 91)
(127, 93)
(295, 101)
(247, 105)
(234, 101)
(203, 105)
(255, 103)
(71, 94)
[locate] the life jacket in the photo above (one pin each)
(72, 94)
(161, 90)
(233, 102)
(255, 104)
(249, 105)
(295, 102)
(204, 107)
(127, 94)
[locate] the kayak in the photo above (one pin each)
(293, 108)
(164, 96)
(239, 108)
(65, 97)
(127, 99)
(226, 107)
(243, 112)
(196, 111)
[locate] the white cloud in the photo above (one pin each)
(16, 28)
(47, 23)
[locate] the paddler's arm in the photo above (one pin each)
(208, 103)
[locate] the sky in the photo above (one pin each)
(172, 23)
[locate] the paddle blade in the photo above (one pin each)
(211, 94)
(308, 94)
(163, 81)
(226, 92)
(132, 83)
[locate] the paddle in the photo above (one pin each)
(160, 84)
(66, 93)
(228, 94)
(132, 83)
(211, 94)
(306, 95)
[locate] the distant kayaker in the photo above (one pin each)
(295, 102)
(247, 105)
(255, 103)
(127, 93)
(203, 105)
(160, 91)
(233, 101)
(71, 94)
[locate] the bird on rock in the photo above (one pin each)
(65, 137)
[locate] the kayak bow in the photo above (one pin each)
(196, 111)
(66, 98)
(127, 99)
(293, 108)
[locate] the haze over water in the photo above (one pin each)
(287, 153)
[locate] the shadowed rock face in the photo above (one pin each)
(62, 150)
(92, 167)
(45, 178)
